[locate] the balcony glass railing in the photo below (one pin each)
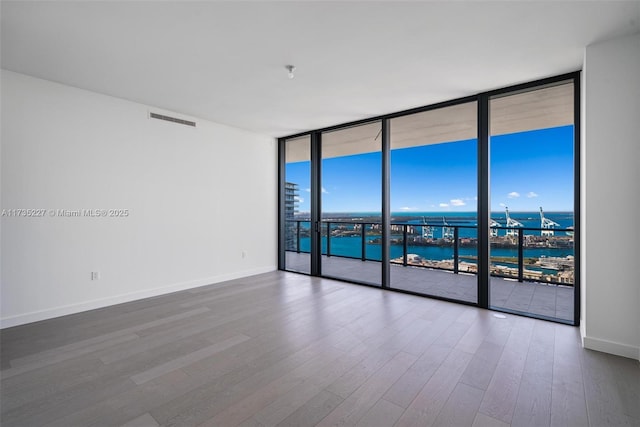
(522, 253)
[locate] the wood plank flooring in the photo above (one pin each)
(282, 349)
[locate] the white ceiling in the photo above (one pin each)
(224, 61)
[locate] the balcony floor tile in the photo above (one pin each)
(528, 297)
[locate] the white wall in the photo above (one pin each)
(197, 198)
(611, 197)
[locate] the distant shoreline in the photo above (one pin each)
(439, 214)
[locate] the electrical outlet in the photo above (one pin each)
(244, 254)
(95, 275)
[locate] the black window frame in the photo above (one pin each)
(483, 209)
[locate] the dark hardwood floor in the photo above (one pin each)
(282, 349)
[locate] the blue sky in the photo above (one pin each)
(528, 170)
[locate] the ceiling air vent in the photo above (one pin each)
(171, 119)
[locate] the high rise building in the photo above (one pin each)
(290, 210)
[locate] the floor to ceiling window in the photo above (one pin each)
(473, 200)
(297, 204)
(532, 201)
(434, 168)
(351, 183)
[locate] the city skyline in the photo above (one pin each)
(528, 170)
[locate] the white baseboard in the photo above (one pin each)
(37, 316)
(611, 347)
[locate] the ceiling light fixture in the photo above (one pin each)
(290, 69)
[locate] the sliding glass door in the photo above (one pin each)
(434, 169)
(351, 172)
(532, 201)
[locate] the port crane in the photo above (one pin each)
(512, 223)
(547, 225)
(493, 228)
(427, 232)
(447, 232)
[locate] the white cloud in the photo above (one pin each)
(457, 202)
(299, 199)
(503, 205)
(513, 195)
(308, 190)
(406, 208)
(444, 205)
(532, 194)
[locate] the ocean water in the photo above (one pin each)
(352, 246)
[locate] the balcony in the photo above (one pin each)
(527, 276)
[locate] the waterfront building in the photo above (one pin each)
(291, 197)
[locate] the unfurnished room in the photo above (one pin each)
(319, 213)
